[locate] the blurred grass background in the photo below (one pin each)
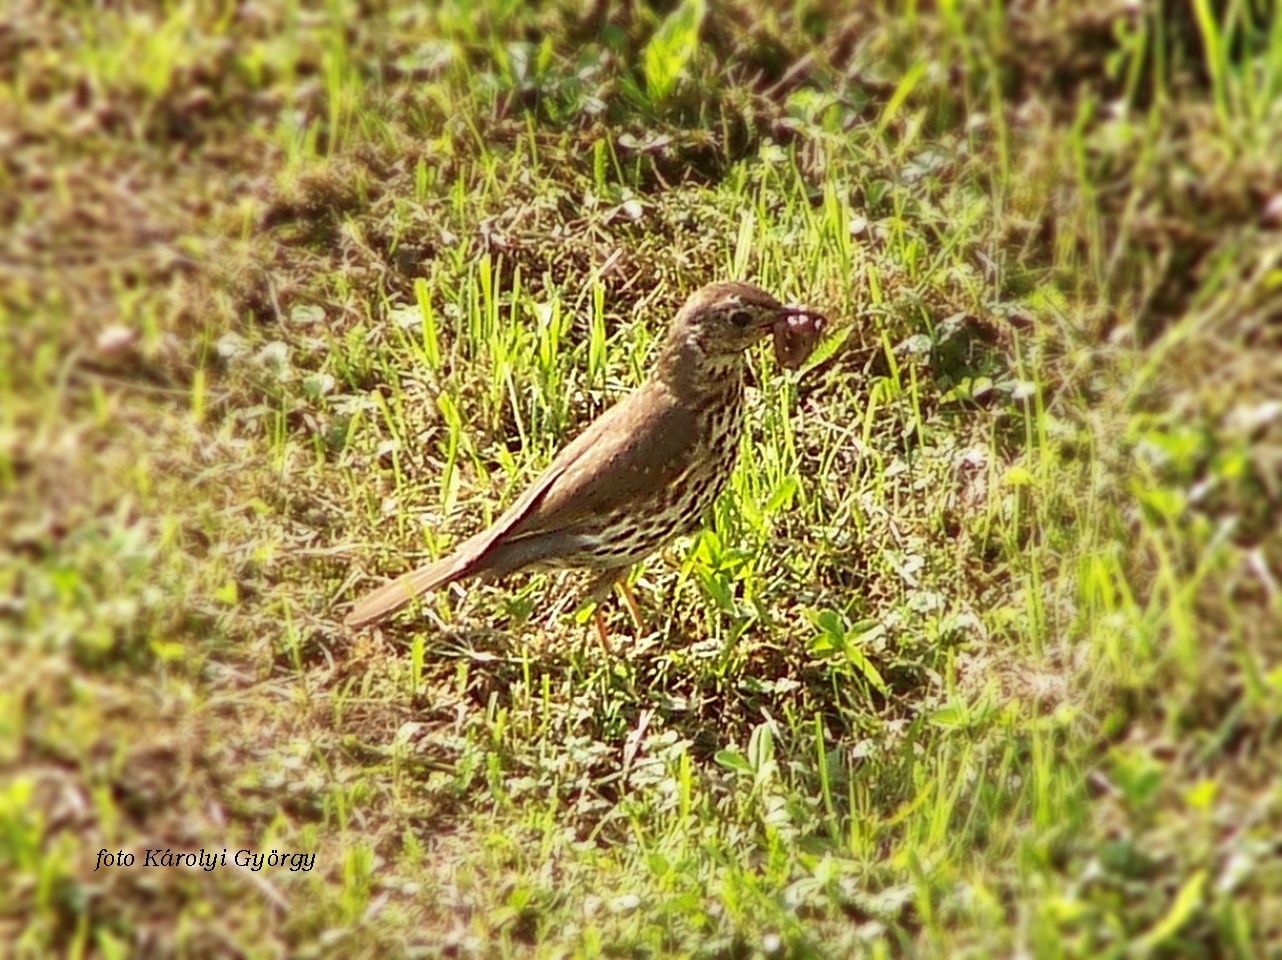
(983, 653)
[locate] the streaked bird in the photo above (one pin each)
(642, 473)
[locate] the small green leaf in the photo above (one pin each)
(168, 651)
(865, 667)
(782, 497)
(761, 747)
(1182, 909)
(1018, 477)
(733, 760)
(1202, 795)
(671, 48)
(950, 715)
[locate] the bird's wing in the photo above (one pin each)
(645, 441)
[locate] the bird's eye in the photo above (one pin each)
(741, 318)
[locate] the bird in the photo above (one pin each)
(641, 474)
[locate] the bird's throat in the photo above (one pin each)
(699, 378)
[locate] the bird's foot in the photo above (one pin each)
(596, 593)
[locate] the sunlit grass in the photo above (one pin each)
(979, 653)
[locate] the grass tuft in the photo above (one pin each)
(979, 654)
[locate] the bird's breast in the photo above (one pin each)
(721, 424)
(677, 503)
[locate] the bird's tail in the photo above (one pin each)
(390, 597)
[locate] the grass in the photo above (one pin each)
(981, 654)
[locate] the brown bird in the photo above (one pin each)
(643, 472)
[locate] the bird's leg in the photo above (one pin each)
(602, 637)
(630, 599)
(599, 589)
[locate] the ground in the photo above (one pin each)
(981, 654)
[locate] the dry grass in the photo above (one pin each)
(982, 654)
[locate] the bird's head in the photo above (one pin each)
(721, 320)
